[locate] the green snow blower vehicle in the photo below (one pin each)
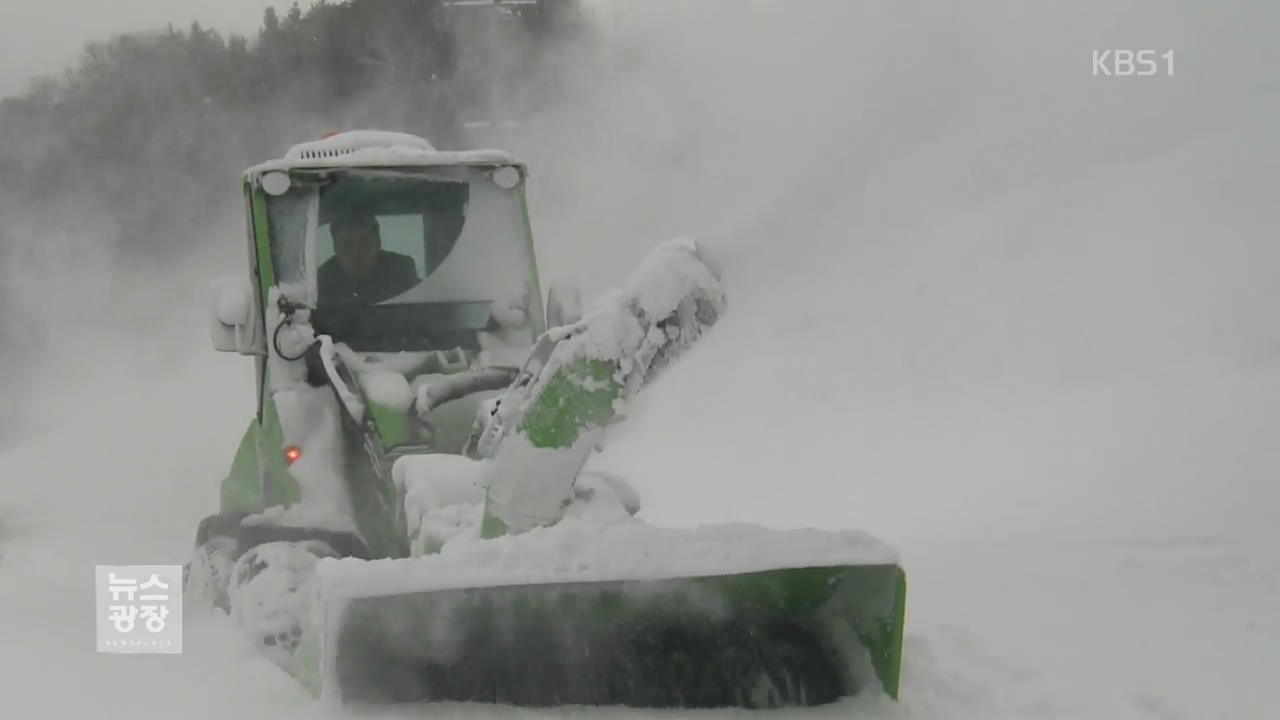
(411, 517)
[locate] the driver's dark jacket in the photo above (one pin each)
(391, 275)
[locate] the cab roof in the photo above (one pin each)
(376, 148)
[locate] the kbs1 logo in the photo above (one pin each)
(139, 608)
(1130, 63)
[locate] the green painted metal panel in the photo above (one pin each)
(579, 396)
(539, 311)
(278, 484)
(262, 241)
(392, 425)
(241, 490)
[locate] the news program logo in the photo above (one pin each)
(139, 608)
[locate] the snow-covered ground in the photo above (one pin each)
(1016, 320)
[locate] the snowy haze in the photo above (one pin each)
(40, 37)
(1017, 320)
(976, 287)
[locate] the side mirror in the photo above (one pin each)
(233, 322)
(564, 305)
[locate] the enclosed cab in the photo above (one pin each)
(417, 264)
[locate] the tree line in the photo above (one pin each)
(151, 129)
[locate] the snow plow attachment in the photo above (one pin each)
(796, 636)
(555, 594)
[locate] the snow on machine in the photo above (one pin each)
(408, 518)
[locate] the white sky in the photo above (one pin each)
(40, 37)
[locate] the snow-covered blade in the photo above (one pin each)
(796, 636)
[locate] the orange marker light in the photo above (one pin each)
(292, 453)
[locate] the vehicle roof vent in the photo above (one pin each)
(345, 143)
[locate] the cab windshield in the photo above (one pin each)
(412, 259)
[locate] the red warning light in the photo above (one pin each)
(292, 453)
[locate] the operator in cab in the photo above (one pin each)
(360, 271)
